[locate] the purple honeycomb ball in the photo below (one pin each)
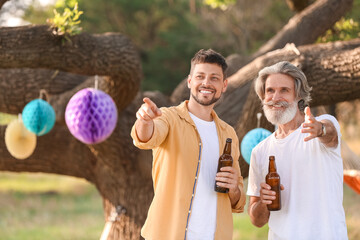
(91, 115)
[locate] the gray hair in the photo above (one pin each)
(302, 88)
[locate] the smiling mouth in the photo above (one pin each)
(206, 91)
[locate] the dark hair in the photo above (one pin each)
(209, 56)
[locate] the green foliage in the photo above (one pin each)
(67, 23)
(222, 4)
(344, 29)
(6, 118)
(167, 33)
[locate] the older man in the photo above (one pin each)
(308, 159)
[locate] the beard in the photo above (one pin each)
(206, 102)
(279, 117)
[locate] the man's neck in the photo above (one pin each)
(285, 129)
(200, 111)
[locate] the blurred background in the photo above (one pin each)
(166, 33)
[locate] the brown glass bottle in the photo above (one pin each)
(273, 179)
(224, 160)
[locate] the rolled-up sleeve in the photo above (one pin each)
(161, 129)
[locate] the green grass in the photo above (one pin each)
(45, 206)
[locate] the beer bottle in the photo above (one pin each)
(273, 179)
(224, 160)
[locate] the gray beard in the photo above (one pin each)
(280, 117)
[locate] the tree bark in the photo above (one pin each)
(110, 55)
(306, 26)
(2, 2)
(121, 172)
(303, 28)
(334, 65)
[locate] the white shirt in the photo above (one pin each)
(312, 175)
(202, 223)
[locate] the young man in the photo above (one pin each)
(187, 141)
(308, 160)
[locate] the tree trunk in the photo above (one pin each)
(121, 172)
(300, 30)
(334, 65)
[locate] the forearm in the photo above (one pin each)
(234, 197)
(330, 139)
(144, 130)
(259, 214)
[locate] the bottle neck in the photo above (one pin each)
(272, 165)
(227, 148)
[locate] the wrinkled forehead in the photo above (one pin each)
(279, 80)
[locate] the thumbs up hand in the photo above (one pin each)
(311, 126)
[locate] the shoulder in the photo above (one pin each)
(327, 117)
(264, 143)
(227, 127)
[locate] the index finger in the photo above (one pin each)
(149, 102)
(152, 105)
(227, 169)
(265, 186)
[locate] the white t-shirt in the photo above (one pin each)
(312, 175)
(202, 223)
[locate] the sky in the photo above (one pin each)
(10, 16)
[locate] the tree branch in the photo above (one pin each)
(332, 69)
(110, 55)
(306, 26)
(299, 30)
(2, 2)
(54, 153)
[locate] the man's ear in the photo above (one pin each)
(302, 105)
(225, 85)
(188, 80)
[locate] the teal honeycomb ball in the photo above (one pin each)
(38, 117)
(250, 140)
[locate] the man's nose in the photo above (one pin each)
(206, 81)
(276, 96)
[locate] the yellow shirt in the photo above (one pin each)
(176, 146)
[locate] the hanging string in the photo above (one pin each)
(22, 126)
(43, 95)
(258, 115)
(96, 82)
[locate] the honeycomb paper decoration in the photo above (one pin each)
(38, 117)
(19, 141)
(250, 140)
(91, 115)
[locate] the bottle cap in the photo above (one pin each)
(229, 140)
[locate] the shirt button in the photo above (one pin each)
(193, 195)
